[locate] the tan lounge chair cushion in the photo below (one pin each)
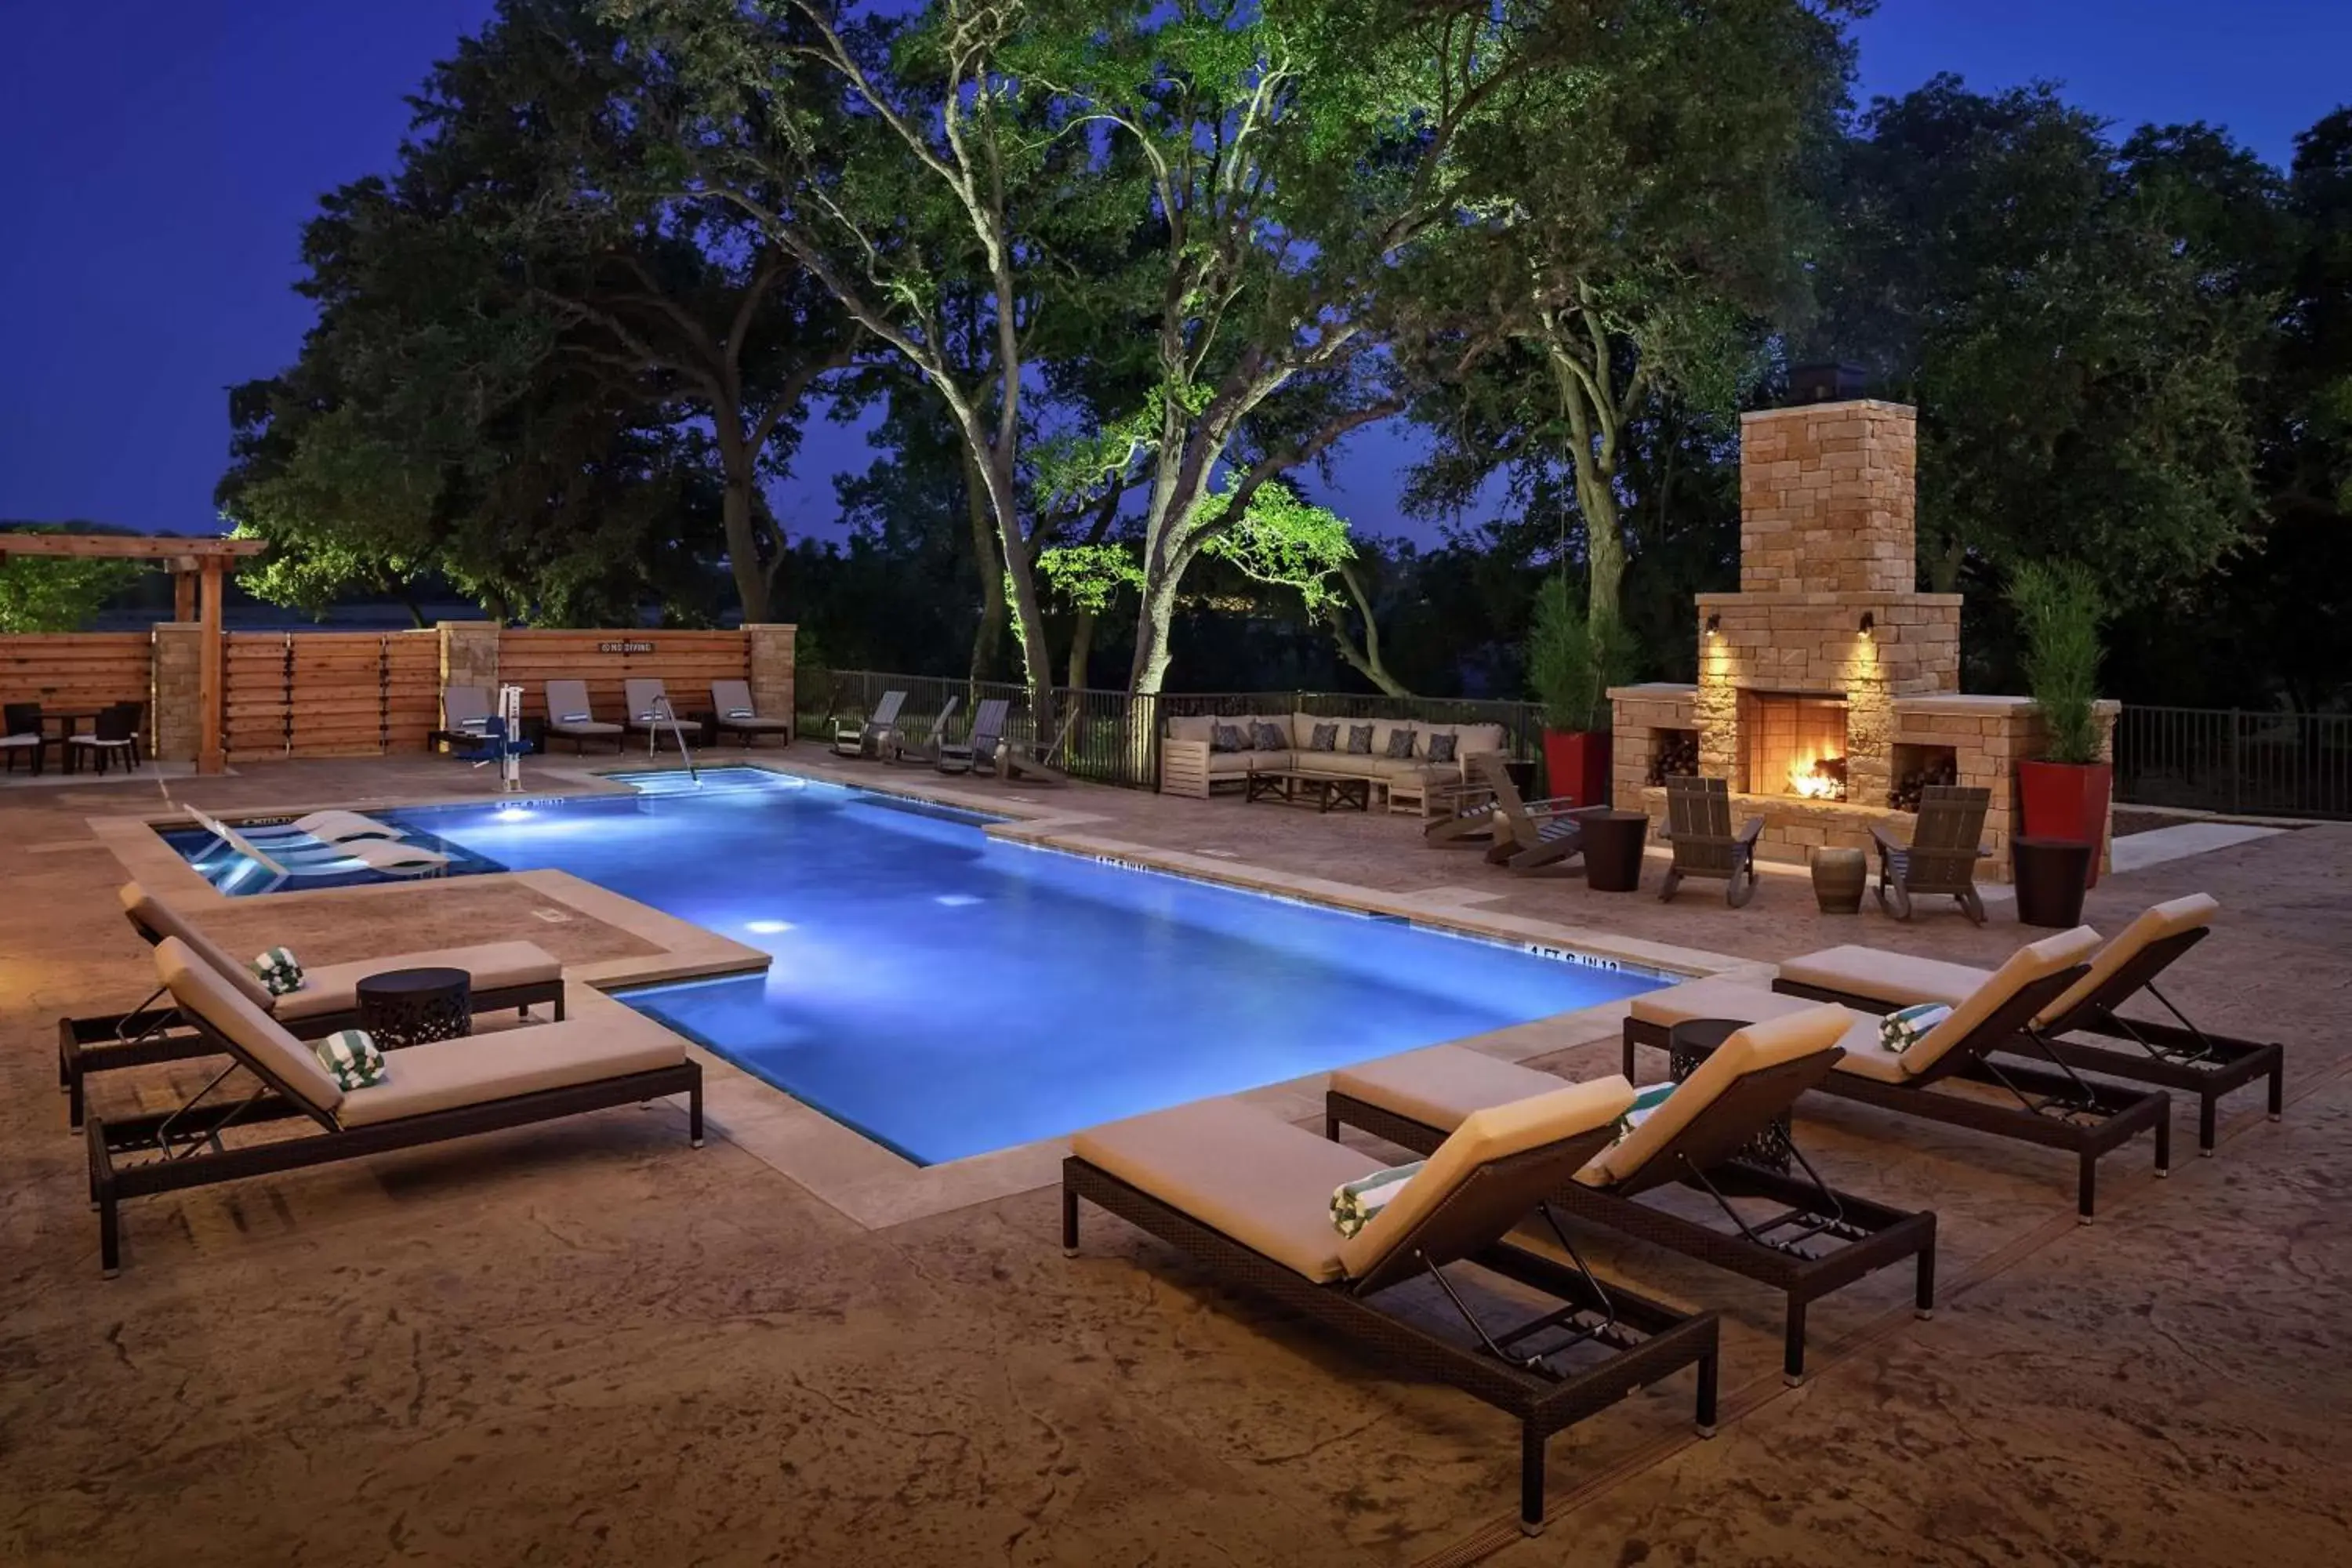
(201, 991)
(2154, 924)
(1439, 1086)
(755, 722)
(334, 988)
(161, 918)
(1753, 1050)
(444, 1074)
(1750, 1004)
(2036, 961)
(1491, 1133)
(1240, 1170)
(585, 727)
(1895, 978)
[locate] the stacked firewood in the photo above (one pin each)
(1673, 754)
(1944, 769)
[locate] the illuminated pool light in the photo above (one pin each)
(767, 927)
(955, 900)
(513, 813)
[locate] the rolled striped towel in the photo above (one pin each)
(352, 1059)
(1645, 1101)
(278, 971)
(572, 717)
(1357, 1203)
(1907, 1026)
(738, 713)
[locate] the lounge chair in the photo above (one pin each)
(1698, 824)
(2175, 1055)
(1247, 1195)
(646, 710)
(927, 750)
(465, 715)
(2056, 1109)
(1819, 1239)
(1028, 764)
(433, 1092)
(569, 718)
(984, 747)
(1945, 843)
(873, 735)
(515, 974)
(293, 864)
(731, 701)
(323, 827)
(1532, 834)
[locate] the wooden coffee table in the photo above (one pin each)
(1331, 791)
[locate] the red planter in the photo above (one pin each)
(1576, 764)
(2067, 800)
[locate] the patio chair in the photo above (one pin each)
(869, 736)
(113, 736)
(465, 715)
(1699, 824)
(1247, 1197)
(571, 717)
(136, 711)
(1466, 815)
(1531, 835)
(516, 974)
(2178, 1055)
(287, 863)
(21, 735)
(983, 746)
(1817, 1241)
(731, 701)
(324, 827)
(1947, 841)
(1018, 762)
(2054, 1109)
(927, 749)
(646, 709)
(431, 1093)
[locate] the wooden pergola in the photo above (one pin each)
(191, 561)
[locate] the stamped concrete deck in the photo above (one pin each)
(587, 1343)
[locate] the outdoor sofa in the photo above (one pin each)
(1194, 762)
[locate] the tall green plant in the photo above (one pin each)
(1573, 659)
(2059, 610)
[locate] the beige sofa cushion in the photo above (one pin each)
(1491, 1133)
(1440, 1086)
(1753, 1050)
(443, 1074)
(1234, 764)
(2033, 962)
(1382, 729)
(1478, 739)
(334, 988)
(1191, 727)
(199, 990)
(1240, 1170)
(165, 920)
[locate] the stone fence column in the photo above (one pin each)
(770, 649)
(470, 655)
(178, 701)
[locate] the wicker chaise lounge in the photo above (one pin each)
(731, 701)
(433, 1092)
(1819, 1241)
(2174, 1056)
(1247, 1195)
(571, 717)
(2056, 1109)
(505, 974)
(1698, 826)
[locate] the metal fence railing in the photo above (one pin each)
(2234, 760)
(1111, 737)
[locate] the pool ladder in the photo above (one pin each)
(662, 710)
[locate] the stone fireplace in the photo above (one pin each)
(1828, 690)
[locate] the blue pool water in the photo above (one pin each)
(948, 993)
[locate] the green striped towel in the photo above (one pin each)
(278, 971)
(1357, 1203)
(352, 1059)
(738, 713)
(1907, 1026)
(1645, 1101)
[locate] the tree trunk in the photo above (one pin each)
(1365, 660)
(1036, 659)
(1152, 618)
(988, 637)
(1082, 647)
(735, 511)
(1604, 542)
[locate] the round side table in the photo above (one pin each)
(412, 1006)
(1612, 850)
(1839, 877)
(1688, 1044)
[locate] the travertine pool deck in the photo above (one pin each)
(586, 1342)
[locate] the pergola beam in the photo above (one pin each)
(126, 547)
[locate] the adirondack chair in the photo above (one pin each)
(925, 748)
(1946, 844)
(1529, 834)
(1698, 824)
(873, 735)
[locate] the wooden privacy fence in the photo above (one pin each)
(686, 662)
(330, 694)
(77, 669)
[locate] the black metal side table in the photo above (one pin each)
(1689, 1044)
(414, 1006)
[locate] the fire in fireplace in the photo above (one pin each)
(1795, 744)
(1825, 779)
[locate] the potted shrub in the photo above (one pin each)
(2064, 794)
(1571, 664)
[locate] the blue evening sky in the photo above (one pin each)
(157, 161)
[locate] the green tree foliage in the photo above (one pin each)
(56, 593)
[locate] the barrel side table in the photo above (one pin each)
(415, 1007)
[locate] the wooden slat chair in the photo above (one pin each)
(1946, 844)
(1698, 824)
(1529, 834)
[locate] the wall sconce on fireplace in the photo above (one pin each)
(1714, 625)
(1869, 624)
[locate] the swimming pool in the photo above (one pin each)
(948, 994)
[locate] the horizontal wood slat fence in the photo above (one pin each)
(685, 662)
(330, 694)
(76, 669)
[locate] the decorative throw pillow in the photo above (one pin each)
(1324, 738)
(1907, 1026)
(1645, 1101)
(1359, 740)
(1401, 744)
(277, 972)
(1227, 738)
(1267, 737)
(478, 726)
(352, 1059)
(1356, 1204)
(1441, 748)
(738, 713)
